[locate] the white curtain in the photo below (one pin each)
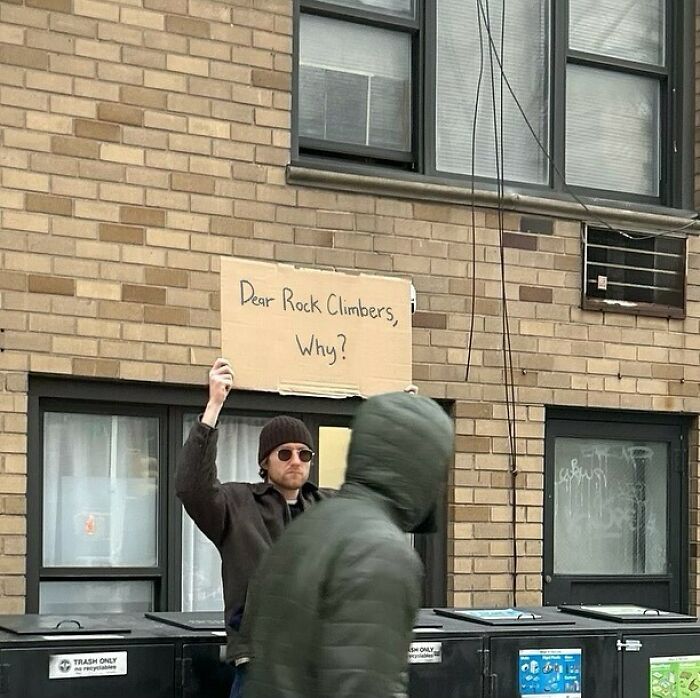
(100, 472)
(201, 563)
(628, 29)
(526, 65)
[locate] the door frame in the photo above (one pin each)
(674, 428)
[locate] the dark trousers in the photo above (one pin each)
(238, 680)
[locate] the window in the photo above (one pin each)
(604, 87)
(457, 77)
(106, 533)
(615, 514)
(101, 498)
(355, 79)
(237, 460)
(616, 71)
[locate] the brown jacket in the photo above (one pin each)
(240, 518)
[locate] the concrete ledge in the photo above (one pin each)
(511, 201)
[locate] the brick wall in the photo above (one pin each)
(143, 139)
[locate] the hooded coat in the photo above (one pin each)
(332, 606)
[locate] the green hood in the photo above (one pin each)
(400, 449)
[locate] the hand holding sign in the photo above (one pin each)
(220, 384)
(220, 381)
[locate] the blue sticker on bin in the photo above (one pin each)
(500, 614)
(550, 673)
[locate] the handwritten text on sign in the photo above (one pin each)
(315, 331)
(333, 304)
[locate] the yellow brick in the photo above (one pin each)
(18, 220)
(167, 238)
(75, 346)
(133, 370)
(122, 153)
(143, 333)
(121, 350)
(49, 122)
(142, 18)
(100, 50)
(16, 179)
(186, 64)
(209, 127)
(96, 210)
(50, 364)
(97, 10)
(161, 80)
(98, 289)
(97, 328)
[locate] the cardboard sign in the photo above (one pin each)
(307, 331)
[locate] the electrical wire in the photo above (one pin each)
(472, 311)
(558, 172)
(511, 404)
(509, 383)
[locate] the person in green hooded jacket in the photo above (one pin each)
(332, 606)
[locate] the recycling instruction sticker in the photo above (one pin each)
(550, 673)
(674, 677)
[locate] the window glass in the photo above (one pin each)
(610, 507)
(100, 503)
(237, 460)
(612, 131)
(629, 30)
(96, 597)
(354, 84)
(526, 64)
(404, 8)
(333, 443)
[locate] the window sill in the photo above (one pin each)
(631, 308)
(637, 217)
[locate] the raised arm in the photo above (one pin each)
(367, 619)
(196, 481)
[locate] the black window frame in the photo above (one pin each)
(664, 74)
(573, 422)
(36, 571)
(676, 118)
(171, 404)
(409, 160)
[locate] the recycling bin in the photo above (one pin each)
(85, 656)
(658, 651)
(531, 653)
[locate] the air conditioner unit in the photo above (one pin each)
(634, 271)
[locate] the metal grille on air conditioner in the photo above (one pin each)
(633, 271)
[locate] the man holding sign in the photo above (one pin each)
(244, 519)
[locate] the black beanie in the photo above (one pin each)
(282, 430)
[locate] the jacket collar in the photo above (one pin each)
(260, 489)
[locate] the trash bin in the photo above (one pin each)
(659, 651)
(83, 657)
(200, 639)
(445, 658)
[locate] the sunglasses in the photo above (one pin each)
(305, 455)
